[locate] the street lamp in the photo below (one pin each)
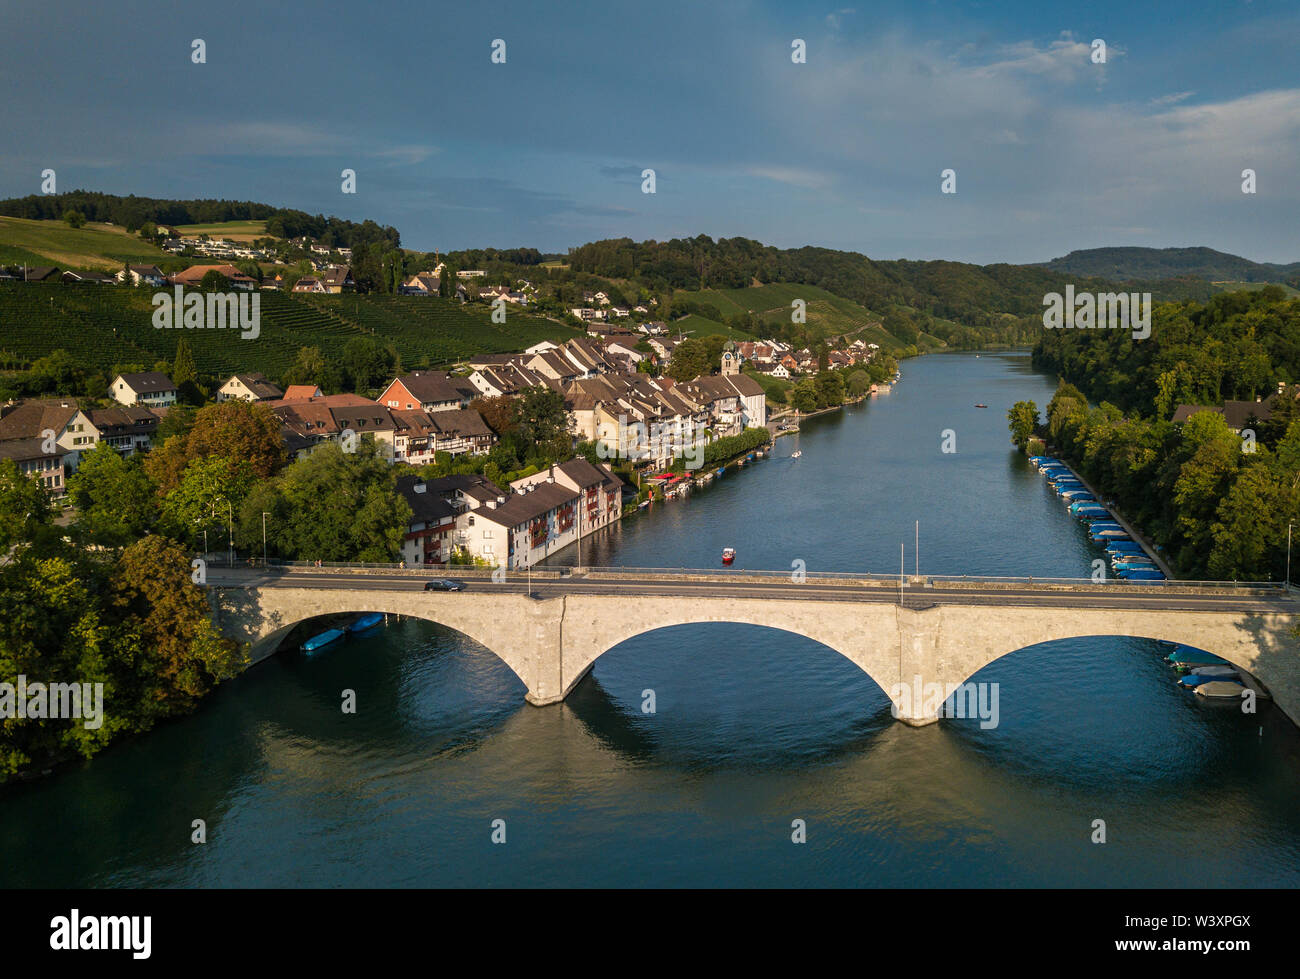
(264, 539)
(1288, 556)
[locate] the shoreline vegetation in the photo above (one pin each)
(1194, 433)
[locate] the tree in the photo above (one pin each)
(51, 628)
(213, 281)
(445, 288)
(179, 656)
(210, 493)
(830, 389)
(24, 507)
(74, 219)
(1023, 419)
(333, 506)
(113, 497)
(859, 383)
(238, 430)
(542, 422)
(183, 369)
(499, 413)
(803, 396)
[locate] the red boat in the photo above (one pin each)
(728, 555)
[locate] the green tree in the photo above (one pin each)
(332, 506)
(803, 396)
(213, 281)
(74, 219)
(1023, 419)
(113, 497)
(24, 507)
(178, 656)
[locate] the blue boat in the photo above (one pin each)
(1088, 510)
(1196, 679)
(1142, 575)
(322, 640)
(1133, 566)
(1109, 532)
(367, 621)
(1185, 654)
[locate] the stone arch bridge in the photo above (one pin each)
(552, 631)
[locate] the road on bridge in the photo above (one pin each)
(708, 584)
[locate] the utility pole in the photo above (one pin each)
(1288, 556)
(263, 539)
(918, 549)
(902, 565)
(230, 529)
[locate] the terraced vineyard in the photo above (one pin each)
(833, 315)
(102, 326)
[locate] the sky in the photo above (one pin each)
(1052, 152)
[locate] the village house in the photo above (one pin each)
(153, 389)
(149, 275)
(429, 391)
(34, 462)
(126, 428)
(599, 491)
(193, 276)
(249, 387)
(338, 279)
(419, 435)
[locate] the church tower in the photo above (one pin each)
(730, 359)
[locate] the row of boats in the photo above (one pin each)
(1128, 559)
(362, 624)
(1204, 673)
(674, 485)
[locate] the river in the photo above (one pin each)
(753, 728)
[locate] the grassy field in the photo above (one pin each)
(233, 230)
(830, 314)
(698, 326)
(104, 326)
(95, 246)
(774, 388)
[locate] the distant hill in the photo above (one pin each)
(94, 246)
(1170, 263)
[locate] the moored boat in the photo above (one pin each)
(322, 640)
(367, 621)
(1197, 679)
(728, 555)
(1220, 688)
(1184, 654)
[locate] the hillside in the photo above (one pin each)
(94, 246)
(102, 326)
(828, 315)
(1170, 263)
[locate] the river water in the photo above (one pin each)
(753, 728)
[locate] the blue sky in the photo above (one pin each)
(1052, 152)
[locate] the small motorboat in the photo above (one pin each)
(796, 453)
(728, 555)
(981, 406)
(367, 621)
(1198, 678)
(1220, 688)
(1195, 656)
(1210, 670)
(322, 640)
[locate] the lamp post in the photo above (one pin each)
(264, 540)
(1288, 556)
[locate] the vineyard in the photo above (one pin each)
(103, 326)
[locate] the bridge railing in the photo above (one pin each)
(755, 574)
